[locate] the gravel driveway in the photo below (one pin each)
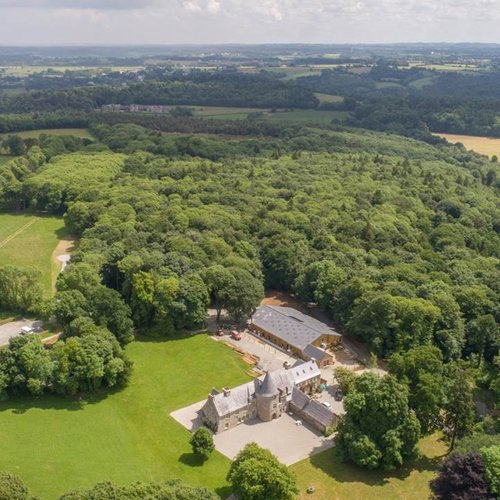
(12, 329)
(270, 358)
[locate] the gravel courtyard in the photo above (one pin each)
(287, 440)
(12, 329)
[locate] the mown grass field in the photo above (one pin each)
(56, 445)
(334, 480)
(326, 98)
(34, 134)
(485, 145)
(28, 241)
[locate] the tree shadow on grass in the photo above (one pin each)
(22, 404)
(191, 460)
(224, 491)
(331, 464)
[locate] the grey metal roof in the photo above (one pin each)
(311, 351)
(310, 407)
(291, 326)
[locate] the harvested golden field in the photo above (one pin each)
(485, 145)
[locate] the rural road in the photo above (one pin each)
(12, 329)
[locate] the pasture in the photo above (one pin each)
(484, 145)
(328, 98)
(334, 480)
(34, 134)
(29, 241)
(308, 116)
(56, 444)
(26, 70)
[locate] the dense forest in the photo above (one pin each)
(413, 101)
(194, 88)
(397, 240)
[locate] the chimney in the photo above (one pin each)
(226, 391)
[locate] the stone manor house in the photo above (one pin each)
(268, 397)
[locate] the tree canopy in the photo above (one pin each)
(378, 428)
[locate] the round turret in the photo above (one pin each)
(267, 399)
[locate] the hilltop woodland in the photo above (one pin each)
(398, 241)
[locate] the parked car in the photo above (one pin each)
(235, 335)
(338, 395)
(220, 332)
(26, 330)
(326, 404)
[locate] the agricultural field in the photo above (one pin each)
(422, 82)
(29, 241)
(34, 134)
(484, 145)
(308, 116)
(56, 445)
(334, 480)
(223, 113)
(447, 66)
(327, 98)
(23, 71)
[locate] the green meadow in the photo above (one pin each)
(29, 241)
(56, 445)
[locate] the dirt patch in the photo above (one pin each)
(60, 257)
(274, 298)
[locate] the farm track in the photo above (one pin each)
(17, 232)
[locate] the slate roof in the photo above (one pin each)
(312, 408)
(239, 397)
(304, 371)
(282, 379)
(290, 325)
(311, 351)
(268, 386)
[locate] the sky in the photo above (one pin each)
(131, 22)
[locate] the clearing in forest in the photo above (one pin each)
(29, 241)
(127, 435)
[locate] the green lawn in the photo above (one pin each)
(334, 480)
(327, 98)
(56, 445)
(34, 134)
(28, 241)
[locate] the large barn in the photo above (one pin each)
(298, 333)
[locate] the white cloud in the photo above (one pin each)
(205, 21)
